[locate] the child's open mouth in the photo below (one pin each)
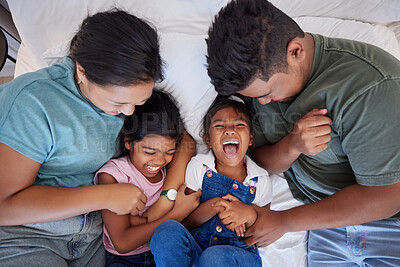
(152, 169)
(231, 148)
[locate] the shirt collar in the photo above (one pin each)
(253, 170)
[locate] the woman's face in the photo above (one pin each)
(113, 99)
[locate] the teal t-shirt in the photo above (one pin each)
(44, 116)
(359, 85)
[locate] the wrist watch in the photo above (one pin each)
(170, 193)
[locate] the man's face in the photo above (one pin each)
(281, 87)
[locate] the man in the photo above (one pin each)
(328, 118)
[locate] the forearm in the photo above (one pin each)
(45, 203)
(204, 212)
(276, 158)
(175, 177)
(136, 236)
(352, 205)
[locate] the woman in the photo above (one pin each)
(58, 127)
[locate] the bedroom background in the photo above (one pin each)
(46, 26)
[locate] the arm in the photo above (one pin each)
(204, 212)
(22, 202)
(127, 237)
(310, 135)
(175, 176)
(355, 204)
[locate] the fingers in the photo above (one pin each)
(197, 194)
(182, 188)
(221, 203)
(229, 197)
(143, 198)
(240, 230)
(314, 121)
(317, 112)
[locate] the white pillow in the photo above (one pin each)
(362, 10)
(378, 35)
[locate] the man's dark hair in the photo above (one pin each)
(117, 48)
(248, 40)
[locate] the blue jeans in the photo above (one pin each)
(144, 259)
(370, 244)
(75, 241)
(173, 245)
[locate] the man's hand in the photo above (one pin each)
(268, 228)
(311, 134)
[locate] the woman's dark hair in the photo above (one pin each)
(117, 48)
(222, 102)
(248, 40)
(159, 115)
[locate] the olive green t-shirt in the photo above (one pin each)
(359, 85)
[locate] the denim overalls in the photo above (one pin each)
(213, 232)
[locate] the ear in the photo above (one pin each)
(80, 71)
(296, 51)
(251, 140)
(207, 138)
(128, 143)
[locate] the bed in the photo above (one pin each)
(46, 26)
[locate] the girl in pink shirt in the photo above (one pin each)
(146, 144)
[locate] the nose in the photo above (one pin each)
(229, 130)
(264, 100)
(159, 160)
(128, 109)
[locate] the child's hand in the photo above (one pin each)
(217, 208)
(185, 204)
(311, 134)
(239, 230)
(236, 212)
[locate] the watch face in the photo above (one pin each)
(172, 194)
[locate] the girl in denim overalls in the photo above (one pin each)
(231, 183)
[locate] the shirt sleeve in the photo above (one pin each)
(259, 137)
(193, 177)
(369, 128)
(112, 169)
(26, 128)
(263, 191)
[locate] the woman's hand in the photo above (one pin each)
(122, 198)
(127, 199)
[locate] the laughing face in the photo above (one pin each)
(229, 137)
(151, 154)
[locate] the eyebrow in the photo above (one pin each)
(123, 103)
(263, 95)
(155, 149)
(238, 119)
